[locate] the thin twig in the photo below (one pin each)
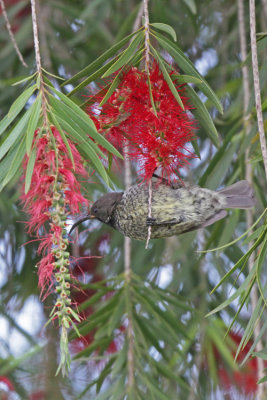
(127, 270)
(255, 69)
(149, 210)
(249, 213)
(138, 18)
(127, 241)
(38, 60)
(12, 37)
(146, 16)
(36, 38)
(44, 10)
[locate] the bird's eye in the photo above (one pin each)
(95, 209)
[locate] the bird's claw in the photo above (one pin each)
(150, 221)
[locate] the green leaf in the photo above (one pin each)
(218, 173)
(97, 343)
(105, 372)
(20, 102)
(88, 150)
(83, 120)
(91, 78)
(126, 55)
(260, 264)
(100, 60)
(250, 279)
(15, 163)
(212, 332)
(151, 94)
(14, 362)
(191, 5)
(29, 170)
(112, 88)
(187, 79)
(18, 81)
(73, 131)
(168, 78)
(116, 316)
(33, 121)
(254, 235)
(202, 115)
(63, 136)
(16, 133)
(165, 28)
(188, 67)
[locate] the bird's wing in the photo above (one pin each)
(154, 222)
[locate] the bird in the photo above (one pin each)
(176, 208)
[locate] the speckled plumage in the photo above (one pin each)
(175, 209)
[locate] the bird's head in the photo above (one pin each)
(102, 209)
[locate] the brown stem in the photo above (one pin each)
(38, 61)
(146, 16)
(249, 175)
(255, 69)
(127, 270)
(12, 37)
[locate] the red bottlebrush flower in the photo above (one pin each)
(246, 377)
(155, 141)
(53, 195)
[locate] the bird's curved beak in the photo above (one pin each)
(90, 216)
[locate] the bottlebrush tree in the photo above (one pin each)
(139, 108)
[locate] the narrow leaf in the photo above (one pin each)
(63, 136)
(29, 170)
(187, 79)
(126, 55)
(15, 164)
(33, 121)
(100, 60)
(20, 102)
(112, 88)
(85, 147)
(168, 78)
(91, 78)
(191, 5)
(188, 67)
(203, 116)
(165, 28)
(83, 120)
(17, 132)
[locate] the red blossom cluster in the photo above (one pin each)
(156, 140)
(246, 377)
(53, 195)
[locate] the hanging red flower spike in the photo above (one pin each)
(155, 141)
(53, 195)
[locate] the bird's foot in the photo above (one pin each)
(150, 221)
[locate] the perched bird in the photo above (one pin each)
(175, 209)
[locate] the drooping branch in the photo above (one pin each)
(146, 16)
(12, 37)
(256, 80)
(38, 60)
(127, 271)
(249, 213)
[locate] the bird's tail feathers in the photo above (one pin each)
(239, 195)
